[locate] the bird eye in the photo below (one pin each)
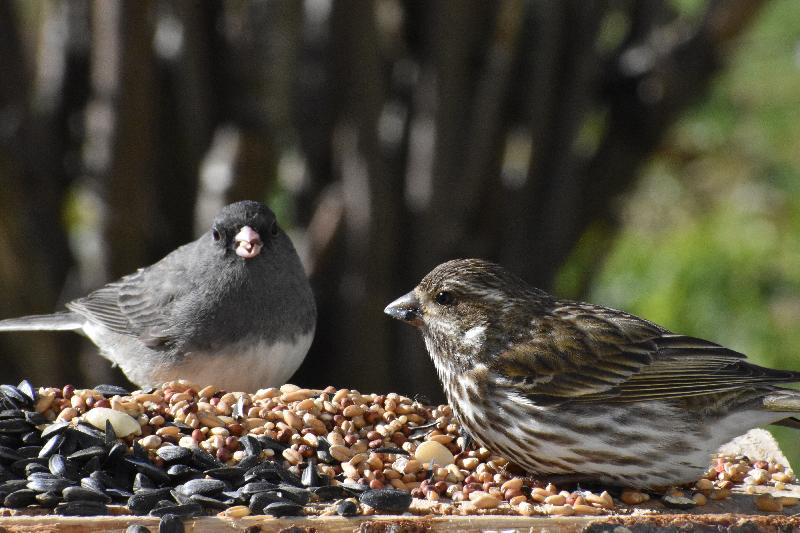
(445, 298)
(215, 234)
(273, 229)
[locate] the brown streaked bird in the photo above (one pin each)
(580, 392)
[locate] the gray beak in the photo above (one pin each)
(406, 308)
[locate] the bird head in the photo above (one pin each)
(462, 304)
(245, 228)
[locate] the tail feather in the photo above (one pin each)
(65, 321)
(790, 422)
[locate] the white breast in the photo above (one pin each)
(245, 367)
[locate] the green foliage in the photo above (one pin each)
(710, 244)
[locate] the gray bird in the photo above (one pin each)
(233, 308)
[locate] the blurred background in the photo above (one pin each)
(642, 154)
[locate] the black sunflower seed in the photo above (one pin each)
(148, 469)
(346, 508)
(89, 436)
(48, 499)
(52, 445)
(387, 500)
(232, 474)
(42, 484)
(15, 396)
(18, 467)
(250, 444)
(279, 509)
(255, 487)
(208, 502)
(164, 503)
(178, 497)
(297, 495)
(183, 509)
(249, 461)
(111, 434)
(330, 492)
(71, 494)
(677, 502)
(13, 485)
(111, 390)
(20, 498)
(118, 494)
(92, 484)
(107, 480)
(81, 508)
(140, 482)
(261, 500)
(144, 500)
(59, 466)
(271, 444)
(139, 452)
(55, 428)
(116, 452)
(183, 473)
(266, 471)
(15, 425)
(325, 457)
(27, 389)
(8, 455)
(236, 495)
(206, 487)
(29, 451)
(35, 419)
(110, 479)
(43, 475)
(174, 454)
(395, 451)
(32, 438)
(122, 474)
(288, 477)
(87, 453)
(70, 443)
(170, 523)
(204, 460)
(5, 475)
(12, 414)
(33, 468)
(136, 528)
(92, 465)
(310, 477)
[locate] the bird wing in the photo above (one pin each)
(583, 352)
(141, 303)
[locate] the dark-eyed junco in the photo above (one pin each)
(578, 391)
(233, 309)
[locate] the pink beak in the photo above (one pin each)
(248, 243)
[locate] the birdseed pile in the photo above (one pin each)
(183, 450)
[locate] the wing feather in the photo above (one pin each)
(141, 303)
(589, 353)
